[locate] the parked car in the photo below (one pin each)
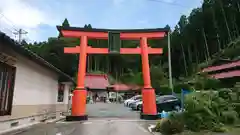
(166, 103)
(136, 105)
(132, 104)
(133, 99)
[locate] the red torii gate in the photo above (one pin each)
(80, 93)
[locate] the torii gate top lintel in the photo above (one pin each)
(125, 34)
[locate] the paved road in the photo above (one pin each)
(104, 119)
(114, 110)
(91, 127)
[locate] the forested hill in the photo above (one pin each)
(196, 39)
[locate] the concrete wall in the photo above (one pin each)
(35, 91)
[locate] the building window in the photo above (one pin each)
(60, 92)
(7, 81)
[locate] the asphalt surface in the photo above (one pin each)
(111, 110)
(104, 119)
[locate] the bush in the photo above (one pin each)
(178, 87)
(225, 94)
(236, 107)
(207, 110)
(171, 125)
(163, 90)
(203, 82)
(210, 83)
(229, 117)
(178, 122)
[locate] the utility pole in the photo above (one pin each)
(170, 64)
(20, 32)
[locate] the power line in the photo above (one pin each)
(3, 16)
(17, 31)
(20, 32)
(169, 3)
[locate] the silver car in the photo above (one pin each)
(136, 105)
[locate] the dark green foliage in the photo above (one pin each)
(225, 94)
(65, 23)
(177, 120)
(229, 117)
(203, 82)
(237, 108)
(208, 111)
(164, 90)
(211, 83)
(172, 125)
(178, 87)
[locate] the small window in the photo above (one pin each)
(60, 92)
(166, 99)
(137, 98)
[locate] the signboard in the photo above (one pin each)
(114, 42)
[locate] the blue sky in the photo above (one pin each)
(40, 17)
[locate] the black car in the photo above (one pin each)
(167, 103)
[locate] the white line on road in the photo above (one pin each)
(150, 127)
(87, 123)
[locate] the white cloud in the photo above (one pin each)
(24, 15)
(20, 14)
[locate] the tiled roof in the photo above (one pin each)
(124, 87)
(106, 30)
(96, 81)
(220, 67)
(6, 40)
(230, 74)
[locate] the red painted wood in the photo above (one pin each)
(97, 50)
(91, 50)
(71, 49)
(220, 67)
(104, 35)
(229, 74)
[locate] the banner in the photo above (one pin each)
(183, 93)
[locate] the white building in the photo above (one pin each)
(29, 86)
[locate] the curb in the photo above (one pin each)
(20, 129)
(55, 120)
